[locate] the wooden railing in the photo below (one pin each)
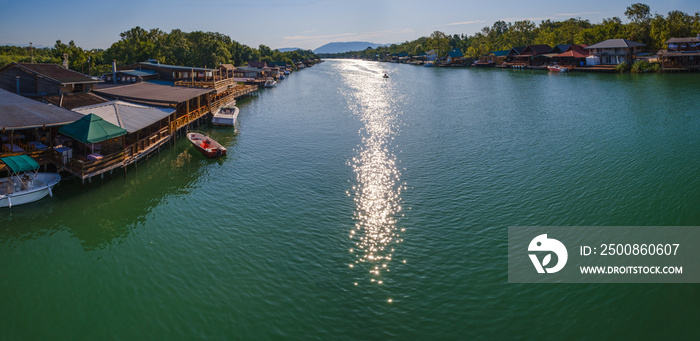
(207, 84)
(141, 147)
(239, 91)
(84, 168)
(189, 117)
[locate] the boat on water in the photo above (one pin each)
(270, 83)
(429, 64)
(25, 184)
(226, 116)
(557, 68)
(386, 75)
(286, 72)
(206, 145)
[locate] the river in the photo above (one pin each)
(356, 207)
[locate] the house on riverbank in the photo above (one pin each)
(613, 52)
(172, 73)
(682, 54)
(50, 83)
(492, 59)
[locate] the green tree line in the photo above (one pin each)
(198, 49)
(643, 26)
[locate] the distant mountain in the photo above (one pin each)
(288, 49)
(346, 47)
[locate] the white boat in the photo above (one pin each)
(206, 145)
(557, 68)
(226, 116)
(25, 184)
(270, 83)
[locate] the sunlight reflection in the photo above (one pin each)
(377, 195)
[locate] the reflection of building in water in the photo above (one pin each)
(118, 205)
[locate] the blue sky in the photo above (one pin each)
(306, 24)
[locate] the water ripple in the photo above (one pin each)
(377, 192)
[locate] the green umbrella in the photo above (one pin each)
(91, 129)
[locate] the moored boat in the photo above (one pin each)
(226, 116)
(206, 145)
(270, 83)
(25, 184)
(557, 68)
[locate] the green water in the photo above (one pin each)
(356, 207)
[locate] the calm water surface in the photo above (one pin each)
(356, 207)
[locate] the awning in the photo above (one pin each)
(91, 129)
(20, 163)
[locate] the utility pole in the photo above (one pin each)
(31, 52)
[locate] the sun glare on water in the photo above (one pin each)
(377, 192)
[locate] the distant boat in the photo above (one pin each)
(386, 75)
(270, 83)
(206, 145)
(286, 72)
(557, 68)
(226, 116)
(429, 64)
(25, 184)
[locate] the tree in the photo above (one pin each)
(638, 13)
(638, 28)
(439, 42)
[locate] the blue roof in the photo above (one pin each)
(561, 48)
(176, 67)
(161, 82)
(138, 73)
(500, 53)
(456, 53)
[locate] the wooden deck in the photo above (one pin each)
(132, 154)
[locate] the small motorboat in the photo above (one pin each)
(225, 116)
(206, 145)
(557, 68)
(25, 184)
(270, 83)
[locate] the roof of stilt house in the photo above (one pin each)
(151, 94)
(54, 72)
(130, 116)
(18, 112)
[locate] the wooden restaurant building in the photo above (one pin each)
(29, 127)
